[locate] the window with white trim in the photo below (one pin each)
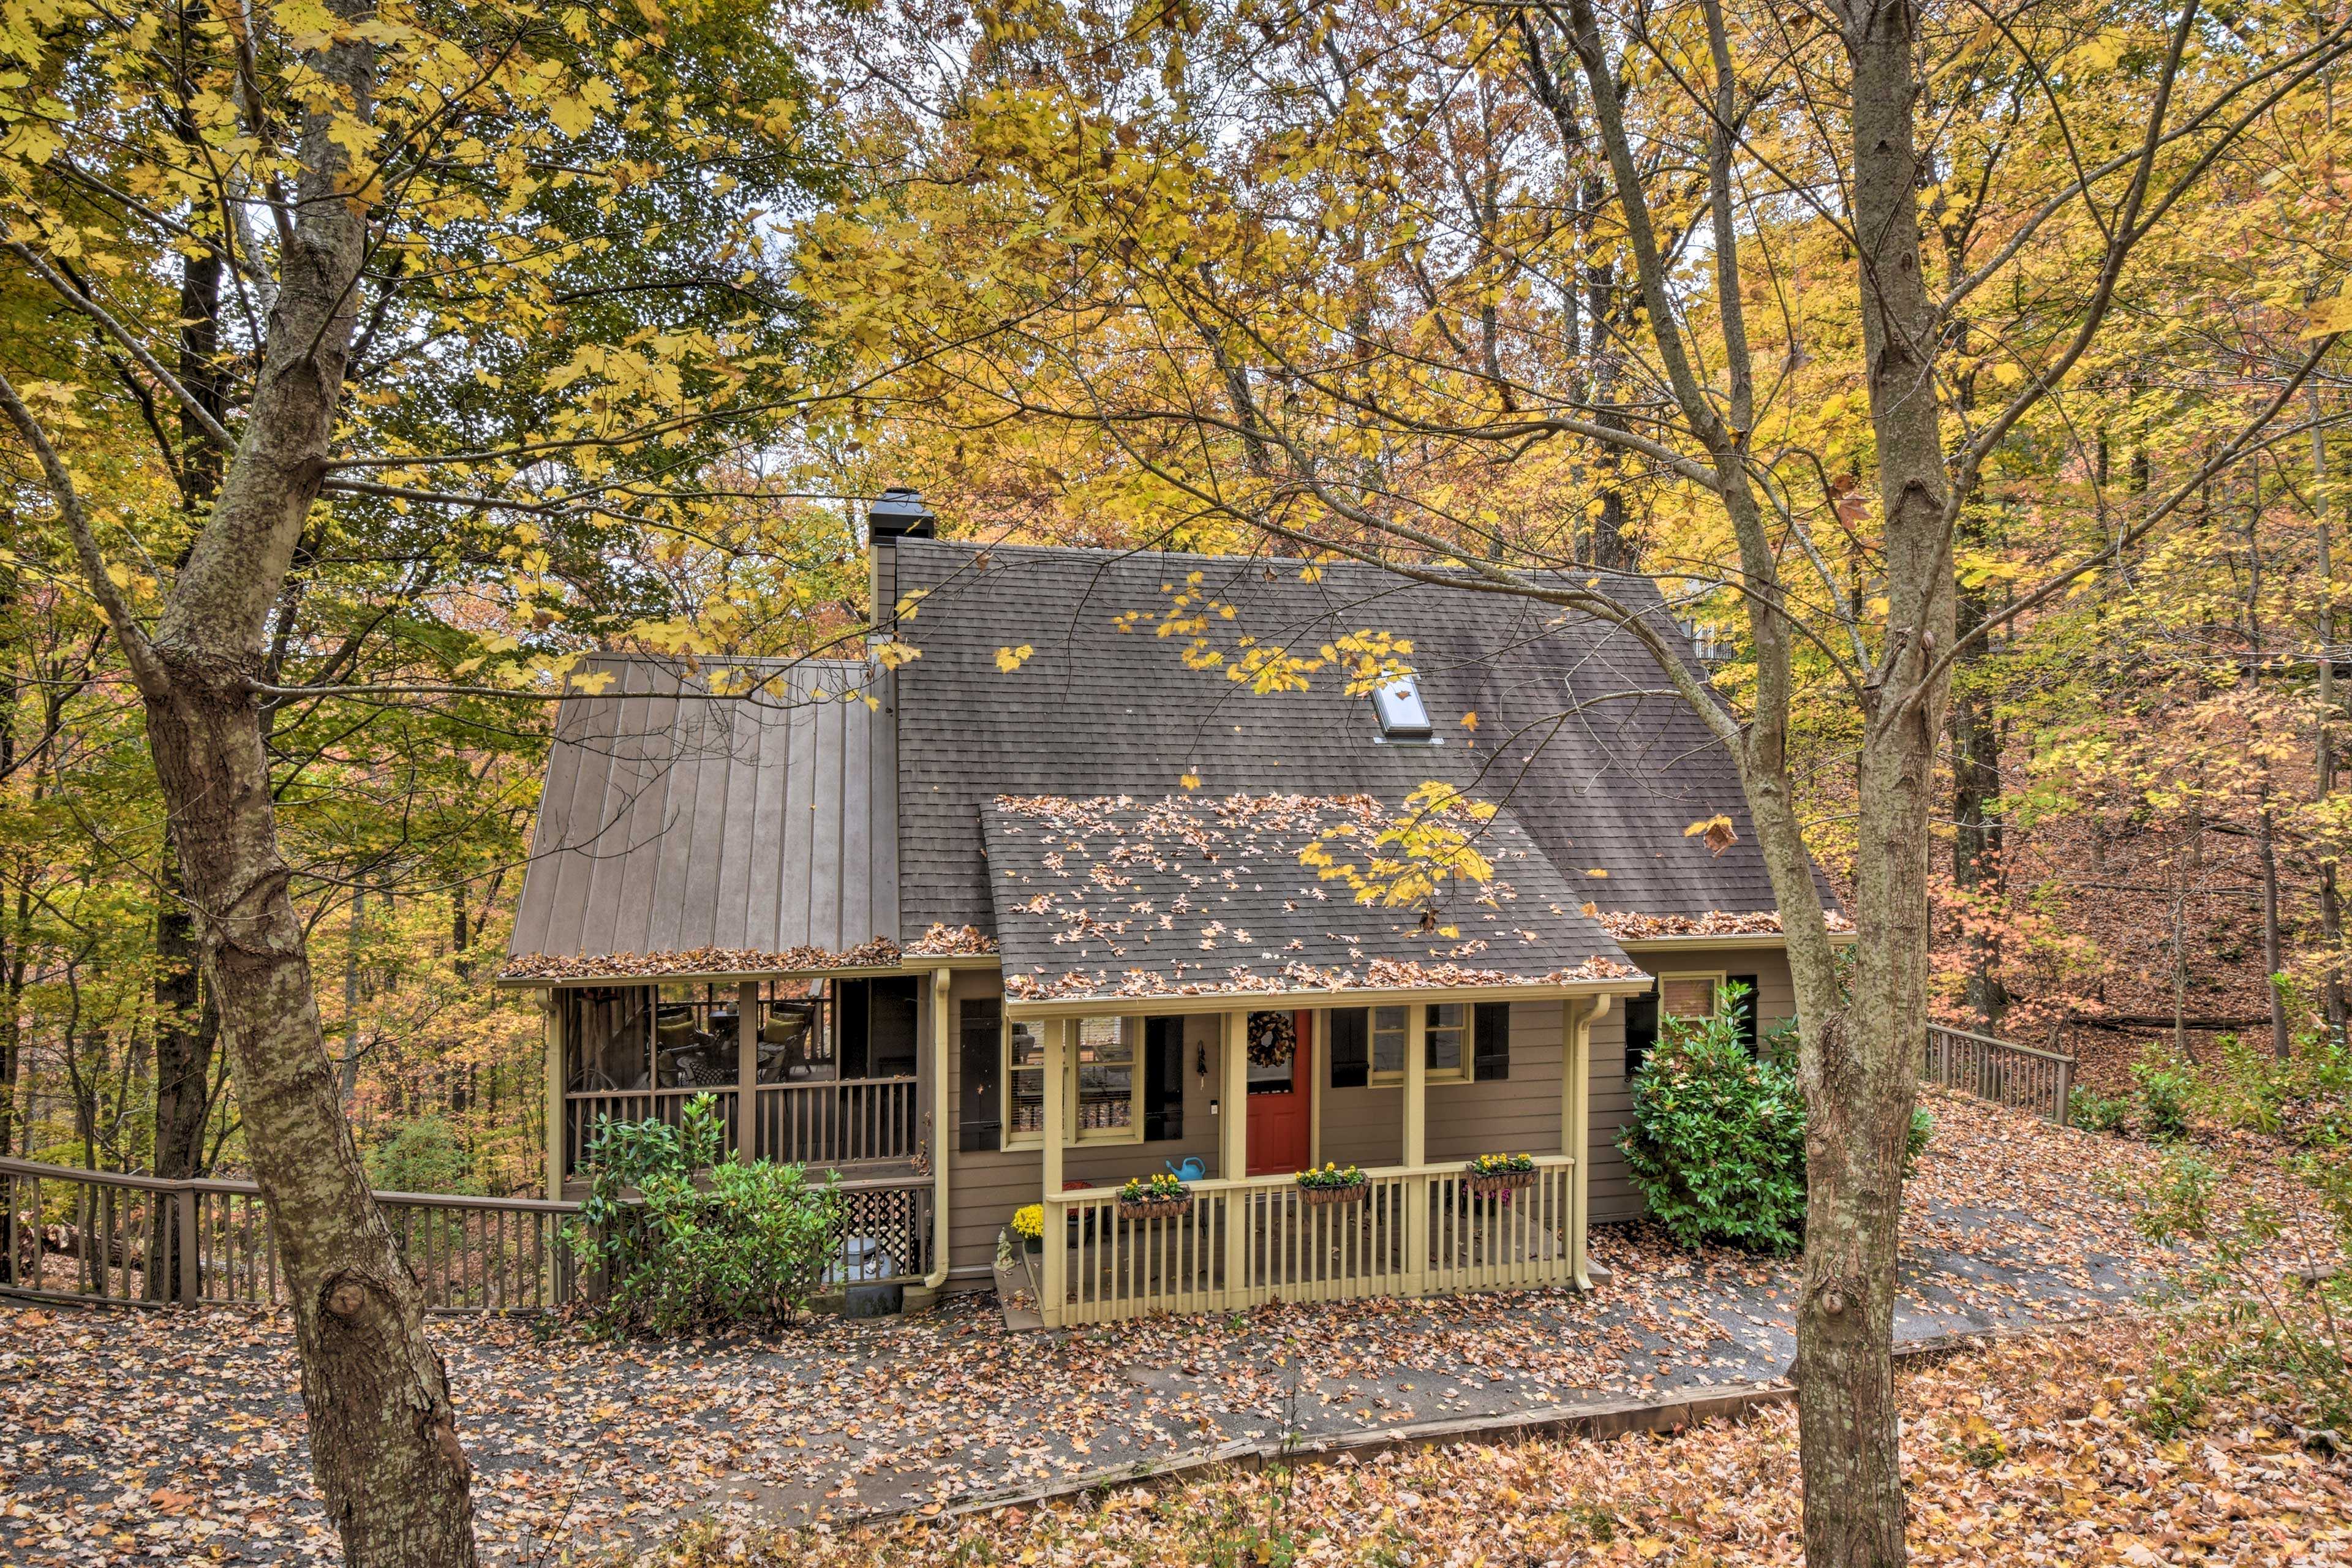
(1024, 1084)
(1107, 1107)
(1446, 1049)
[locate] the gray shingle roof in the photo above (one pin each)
(1192, 896)
(1600, 766)
(673, 822)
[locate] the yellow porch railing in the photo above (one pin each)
(1416, 1231)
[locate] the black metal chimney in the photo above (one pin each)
(896, 513)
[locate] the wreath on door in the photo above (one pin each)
(1272, 1040)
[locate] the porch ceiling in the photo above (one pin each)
(1120, 899)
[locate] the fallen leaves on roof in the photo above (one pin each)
(1627, 926)
(1120, 897)
(1376, 974)
(939, 941)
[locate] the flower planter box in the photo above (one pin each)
(1324, 1198)
(1498, 1183)
(1156, 1207)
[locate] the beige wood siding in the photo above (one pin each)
(1518, 1114)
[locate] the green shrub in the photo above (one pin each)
(425, 1155)
(2092, 1112)
(1717, 1146)
(746, 1243)
(2166, 1088)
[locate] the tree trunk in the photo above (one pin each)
(383, 1438)
(1860, 1066)
(2266, 847)
(187, 1030)
(2331, 898)
(1976, 873)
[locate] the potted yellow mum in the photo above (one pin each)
(1029, 1225)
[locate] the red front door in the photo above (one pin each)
(1281, 1091)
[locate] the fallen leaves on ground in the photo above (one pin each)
(170, 1433)
(2030, 1453)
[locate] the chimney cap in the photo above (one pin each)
(898, 512)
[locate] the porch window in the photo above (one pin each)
(1025, 1084)
(1107, 1105)
(1447, 1026)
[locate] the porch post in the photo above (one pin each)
(1233, 1154)
(1417, 1189)
(555, 1128)
(1416, 1083)
(747, 1069)
(942, 1033)
(1054, 1292)
(1576, 1123)
(1318, 1032)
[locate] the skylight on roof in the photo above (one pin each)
(1403, 715)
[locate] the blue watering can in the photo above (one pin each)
(1191, 1170)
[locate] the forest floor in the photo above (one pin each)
(178, 1435)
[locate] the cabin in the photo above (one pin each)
(1055, 884)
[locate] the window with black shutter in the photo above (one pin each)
(980, 1115)
(1745, 1010)
(1352, 1047)
(1492, 1057)
(1163, 1080)
(1641, 1031)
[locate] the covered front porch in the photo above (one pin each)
(1250, 1233)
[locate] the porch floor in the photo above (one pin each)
(578, 1443)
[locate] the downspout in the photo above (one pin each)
(940, 1250)
(1576, 1128)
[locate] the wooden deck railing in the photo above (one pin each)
(1999, 1070)
(1416, 1231)
(822, 1124)
(838, 1123)
(582, 1112)
(97, 1236)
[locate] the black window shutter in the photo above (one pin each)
(1494, 1042)
(1163, 1080)
(1351, 1046)
(855, 1009)
(980, 1104)
(1641, 1030)
(890, 1026)
(1746, 1011)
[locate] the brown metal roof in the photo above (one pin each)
(672, 820)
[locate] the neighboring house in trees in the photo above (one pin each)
(1015, 909)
